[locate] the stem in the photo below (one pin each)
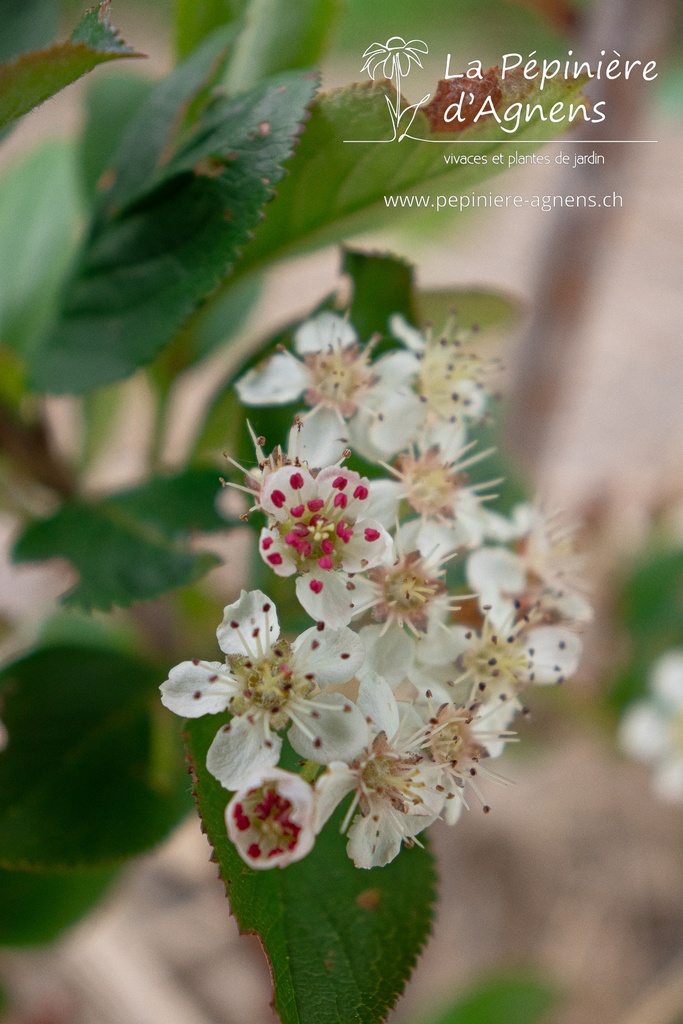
(28, 448)
(398, 93)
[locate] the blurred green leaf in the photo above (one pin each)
(26, 25)
(196, 19)
(651, 606)
(190, 180)
(111, 103)
(31, 78)
(508, 1000)
(39, 218)
(382, 285)
(144, 533)
(280, 35)
(341, 941)
(35, 906)
(79, 784)
(470, 306)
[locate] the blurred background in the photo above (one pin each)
(575, 878)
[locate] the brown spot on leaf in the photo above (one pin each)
(369, 899)
(106, 180)
(471, 93)
(209, 167)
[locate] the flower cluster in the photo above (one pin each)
(405, 688)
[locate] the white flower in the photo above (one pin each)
(450, 382)
(452, 513)
(543, 572)
(310, 445)
(332, 372)
(266, 683)
(394, 57)
(271, 819)
(458, 739)
(394, 786)
(494, 664)
(410, 603)
(652, 730)
(319, 528)
(343, 389)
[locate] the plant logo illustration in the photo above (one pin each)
(393, 60)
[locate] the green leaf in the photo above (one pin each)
(382, 285)
(280, 35)
(507, 1000)
(650, 608)
(188, 192)
(512, 490)
(35, 906)
(39, 212)
(111, 103)
(197, 19)
(88, 777)
(26, 25)
(33, 77)
(341, 942)
(480, 307)
(144, 533)
(335, 189)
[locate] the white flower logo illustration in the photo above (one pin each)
(393, 60)
(394, 57)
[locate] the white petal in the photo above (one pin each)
(383, 503)
(188, 692)
(397, 423)
(410, 336)
(372, 844)
(331, 788)
(280, 380)
(371, 545)
(493, 569)
(277, 555)
(319, 440)
(554, 652)
(441, 646)
(450, 438)
(322, 331)
(452, 809)
(667, 679)
(389, 653)
(396, 370)
(493, 718)
(239, 751)
(333, 656)
(377, 702)
(643, 733)
(437, 540)
(287, 488)
(340, 735)
(253, 615)
(332, 603)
